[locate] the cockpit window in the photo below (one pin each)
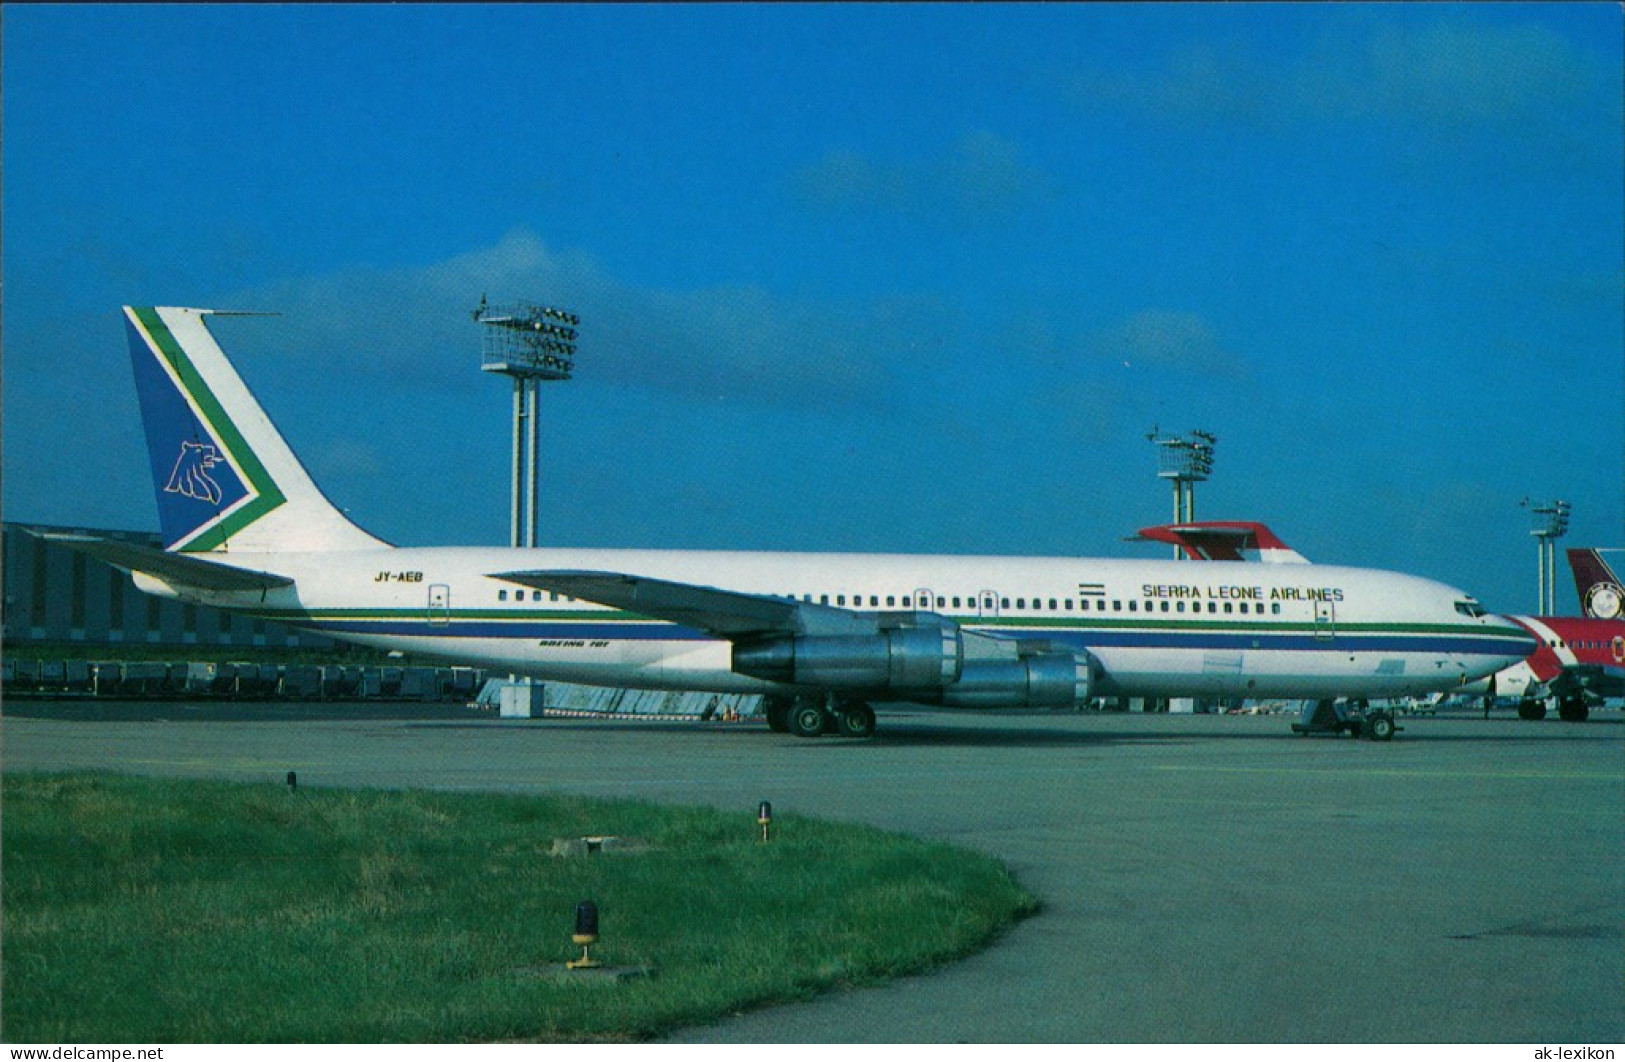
(1469, 607)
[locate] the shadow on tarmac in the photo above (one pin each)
(905, 729)
(96, 710)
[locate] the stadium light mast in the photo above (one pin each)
(1186, 461)
(530, 344)
(1549, 522)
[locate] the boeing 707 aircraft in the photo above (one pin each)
(822, 635)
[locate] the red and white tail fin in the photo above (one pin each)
(1602, 595)
(1223, 540)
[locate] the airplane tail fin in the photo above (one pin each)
(223, 475)
(1223, 540)
(1601, 593)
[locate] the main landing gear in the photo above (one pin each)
(1571, 708)
(811, 716)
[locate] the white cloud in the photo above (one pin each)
(1445, 75)
(412, 327)
(982, 176)
(1171, 339)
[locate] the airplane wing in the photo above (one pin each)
(725, 613)
(176, 568)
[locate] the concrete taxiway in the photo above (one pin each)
(1204, 878)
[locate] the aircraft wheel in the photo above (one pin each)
(777, 710)
(1531, 709)
(807, 719)
(1379, 726)
(1573, 710)
(856, 721)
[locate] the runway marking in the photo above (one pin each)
(1378, 772)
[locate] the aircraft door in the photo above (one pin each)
(988, 604)
(439, 604)
(1325, 620)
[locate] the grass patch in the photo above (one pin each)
(168, 911)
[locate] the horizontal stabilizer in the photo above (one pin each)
(724, 613)
(178, 569)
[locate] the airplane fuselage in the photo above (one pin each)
(1155, 628)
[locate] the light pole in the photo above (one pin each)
(1186, 462)
(531, 344)
(1549, 522)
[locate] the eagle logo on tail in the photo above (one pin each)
(191, 476)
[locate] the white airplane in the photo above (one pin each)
(822, 635)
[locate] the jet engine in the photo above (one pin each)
(928, 664)
(1049, 678)
(902, 658)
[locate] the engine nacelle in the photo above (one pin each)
(1053, 679)
(904, 658)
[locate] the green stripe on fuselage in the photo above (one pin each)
(989, 623)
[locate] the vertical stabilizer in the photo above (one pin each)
(223, 475)
(1601, 594)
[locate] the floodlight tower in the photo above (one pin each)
(531, 344)
(1549, 522)
(1185, 461)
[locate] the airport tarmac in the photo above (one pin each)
(1204, 878)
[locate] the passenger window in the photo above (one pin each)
(1179, 606)
(1052, 604)
(840, 599)
(1117, 606)
(1275, 608)
(1227, 609)
(1134, 606)
(1069, 604)
(823, 599)
(1004, 602)
(502, 595)
(1021, 602)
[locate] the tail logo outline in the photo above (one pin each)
(1604, 601)
(191, 477)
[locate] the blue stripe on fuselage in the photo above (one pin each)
(612, 630)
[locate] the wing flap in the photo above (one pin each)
(175, 568)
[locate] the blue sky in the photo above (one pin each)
(869, 277)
